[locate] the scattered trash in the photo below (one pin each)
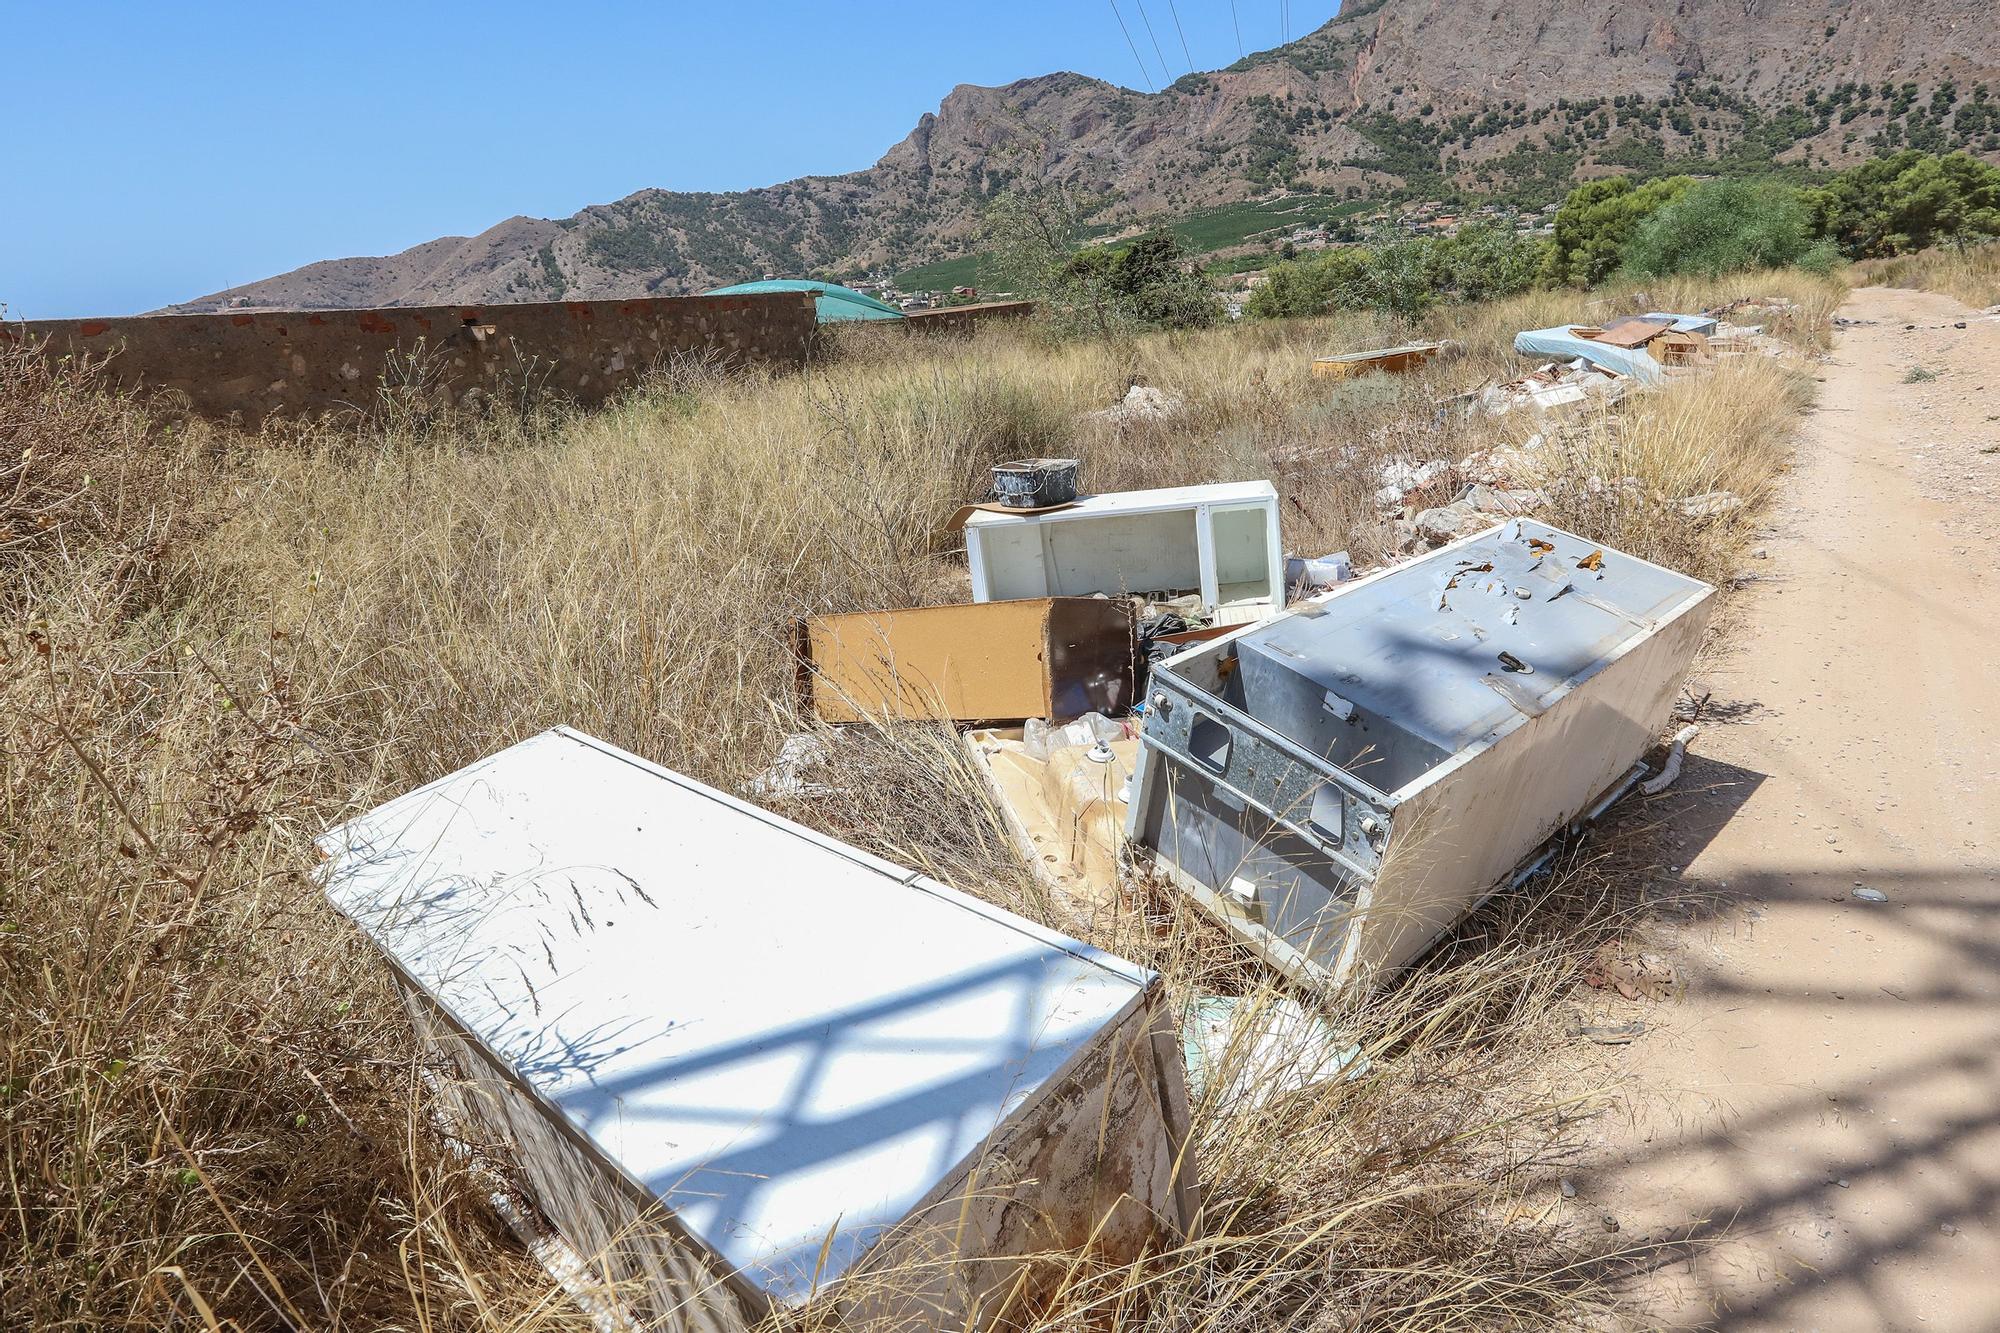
(1567, 344)
(1053, 657)
(1612, 1034)
(785, 779)
(1710, 504)
(1035, 483)
(1040, 740)
(1568, 1187)
(1142, 404)
(1219, 544)
(1386, 360)
(1401, 479)
(1632, 975)
(1867, 895)
(1247, 1051)
(1062, 795)
(1670, 768)
(1372, 820)
(1556, 384)
(1610, 1222)
(1304, 576)
(572, 924)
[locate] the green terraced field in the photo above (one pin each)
(1202, 233)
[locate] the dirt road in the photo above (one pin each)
(1821, 1112)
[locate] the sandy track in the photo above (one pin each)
(1821, 1113)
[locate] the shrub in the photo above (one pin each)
(1724, 226)
(1403, 276)
(1596, 220)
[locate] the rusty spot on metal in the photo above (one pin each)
(90, 328)
(578, 310)
(316, 319)
(372, 322)
(423, 322)
(1594, 561)
(1540, 547)
(242, 321)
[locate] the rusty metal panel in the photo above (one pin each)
(1343, 783)
(736, 1059)
(1045, 657)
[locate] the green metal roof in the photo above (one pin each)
(832, 302)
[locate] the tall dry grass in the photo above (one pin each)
(211, 1109)
(1969, 273)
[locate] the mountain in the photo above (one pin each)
(1390, 97)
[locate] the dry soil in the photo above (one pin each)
(1816, 1139)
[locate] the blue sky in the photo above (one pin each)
(151, 152)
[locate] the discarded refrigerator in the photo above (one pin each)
(744, 1068)
(1341, 784)
(1219, 544)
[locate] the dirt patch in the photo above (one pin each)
(1817, 1138)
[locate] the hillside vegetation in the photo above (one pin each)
(211, 1112)
(1392, 99)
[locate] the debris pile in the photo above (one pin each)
(1424, 505)
(1335, 769)
(1142, 405)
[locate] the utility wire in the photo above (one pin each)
(1165, 73)
(1183, 32)
(1237, 24)
(1134, 45)
(1284, 20)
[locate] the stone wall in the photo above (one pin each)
(963, 319)
(250, 365)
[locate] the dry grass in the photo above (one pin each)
(1970, 273)
(212, 1115)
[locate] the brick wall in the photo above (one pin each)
(255, 364)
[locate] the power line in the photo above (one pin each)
(1165, 73)
(1284, 20)
(1183, 32)
(1235, 23)
(1134, 45)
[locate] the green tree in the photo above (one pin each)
(1908, 201)
(1722, 226)
(1402, 275)
(1035, 235)
(1037, 240)
(1158, 286)
(1596, 220)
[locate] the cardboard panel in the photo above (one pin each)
(1052, 657)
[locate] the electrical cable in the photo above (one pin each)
(1183, 32)
(1165, 73)
(1134, 45)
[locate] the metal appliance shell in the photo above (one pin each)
(743, 1066)
(1340, 785)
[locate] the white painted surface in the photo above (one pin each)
(1221, 541)
(777, 1034)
